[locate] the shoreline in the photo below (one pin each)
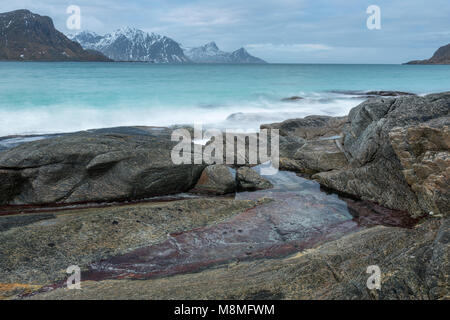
(318, 134)
(237, 219)
(359, 95)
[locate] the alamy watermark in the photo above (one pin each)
(374, 20)
(238, 147)
(74, 280)
(374, 281)
(74, 20)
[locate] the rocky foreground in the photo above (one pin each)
(140, 227)
(391, 151)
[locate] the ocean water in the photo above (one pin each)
(63, 97)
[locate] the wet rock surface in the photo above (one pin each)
(309, 127)
(37, 248)
(292, 99)
(320, 155)
(99, 165)
(407, 259)
(311, 144)
(290, 239)
(389, 93)
(249, 180)
(144, 241)
(373, 154)
(374, 93)
(376, 171)
(216, 179)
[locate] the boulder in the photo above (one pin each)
(388, 93)
(393, 151)
(100, 165)
(289, 146)
(375, 171)
(424, 152)
(249, 180)
(311, 144)
(320, 155)
(292, 99)
(216, 179)
(244, 149)
(310, 127)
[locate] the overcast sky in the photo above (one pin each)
(298, 31)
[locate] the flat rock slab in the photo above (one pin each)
(154, 240)
(37, 248)
(299, 217)
(414, 265)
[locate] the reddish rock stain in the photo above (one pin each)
(301, 216)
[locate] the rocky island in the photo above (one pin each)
(371, 188)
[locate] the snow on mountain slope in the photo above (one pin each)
(210, 53)
(130, 44)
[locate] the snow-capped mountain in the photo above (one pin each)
(210, 53)
(130, 44)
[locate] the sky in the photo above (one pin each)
(278, 31)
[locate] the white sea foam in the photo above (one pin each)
(246, 115)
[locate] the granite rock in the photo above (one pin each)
(101, 165)
(249, 180)
(375, 171)
(424, 152)
(216, 179)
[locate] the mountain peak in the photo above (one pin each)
(128, 32)
(211, 45)
(241, 55)
(83, 33)
(33, 37)
(27, 16)
(210, 53)
(132, 44)
(241, 50)
(19, 11)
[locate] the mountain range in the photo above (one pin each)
(131, 44)
(441, 56)
(25, 36)
(210, 53)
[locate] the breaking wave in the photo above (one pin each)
(246, 115)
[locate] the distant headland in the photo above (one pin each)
(441, 56)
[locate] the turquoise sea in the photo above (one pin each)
(62, 97)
